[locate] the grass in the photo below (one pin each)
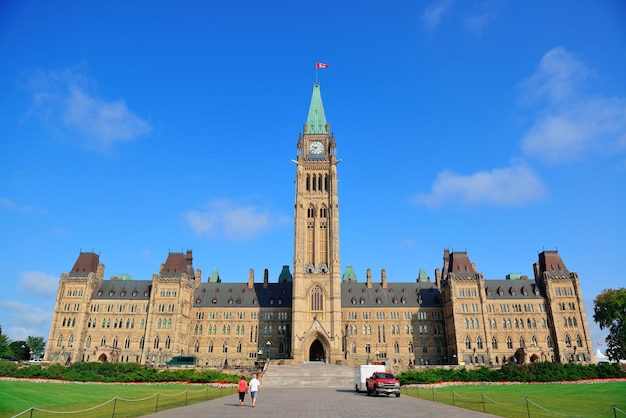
(544, 400)
(567, 399)
(126, 400)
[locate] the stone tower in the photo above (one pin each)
(316, 282)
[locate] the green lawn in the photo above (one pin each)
(127, 400)
(544, 400)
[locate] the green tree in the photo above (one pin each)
(5, 351)
(610, 312)
(37, 345)
(20, 350)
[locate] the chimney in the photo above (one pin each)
(251, 279)
(266, 274)
(369, 279)
(383, 277)
(437, 278)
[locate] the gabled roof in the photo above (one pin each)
(357, 295)
(123, 290)
(316, 120)
(275, 295)
(513, 289)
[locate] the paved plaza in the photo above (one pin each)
(330, 402)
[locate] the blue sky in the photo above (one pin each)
(137, 128)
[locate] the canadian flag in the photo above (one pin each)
(321, 65)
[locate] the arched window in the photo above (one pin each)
(353, 346)
(60, 341)
(522, 343)
(156, 342)
(549, 342)
(317, 299)
(468, 343)
(211, 347)
(396, 347)
(368, 347)
(410, 347)
(424, 347)
(579, 341)
(168, 342)
(494, 343)
(479, 343)
(533, 341)
(568, 341)
(88, 343)
(509, 343)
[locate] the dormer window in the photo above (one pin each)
(111, 292)
(99, 292)
(214, 301)
(512, 291)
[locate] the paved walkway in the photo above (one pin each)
(279, 402)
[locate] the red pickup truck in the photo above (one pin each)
(382, 382)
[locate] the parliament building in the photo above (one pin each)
(314, 311)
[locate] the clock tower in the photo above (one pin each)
(316, 305)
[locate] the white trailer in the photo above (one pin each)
(364, 371)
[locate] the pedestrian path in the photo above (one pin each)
(279, 402)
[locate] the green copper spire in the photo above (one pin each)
(422, 277)
(316, 122)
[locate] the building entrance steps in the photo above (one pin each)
(312, 374)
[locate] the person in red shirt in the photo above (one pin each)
(242, 389)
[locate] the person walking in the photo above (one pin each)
(242, 389)
(255, 388)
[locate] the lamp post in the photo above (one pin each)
(226, 352)
(268, 345)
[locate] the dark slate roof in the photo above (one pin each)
(123, 290)
(276, 295)
(85, 263)
(407, 294)
(513, 289)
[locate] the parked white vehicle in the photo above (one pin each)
(362, 372)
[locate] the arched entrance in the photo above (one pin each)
(102, 358)
(316, 352)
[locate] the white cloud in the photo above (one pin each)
(23, 320)
(7, 203)
(64, 101)
(572, 123)
(434, 13)
(482, 15)
(38, 283)
(510, 186)
(228, 219)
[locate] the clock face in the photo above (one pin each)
(316, 147)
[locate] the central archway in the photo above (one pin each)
(316, 351)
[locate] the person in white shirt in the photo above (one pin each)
(255, 388)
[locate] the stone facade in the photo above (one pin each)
(317, 313)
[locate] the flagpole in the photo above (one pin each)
(316, 81)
